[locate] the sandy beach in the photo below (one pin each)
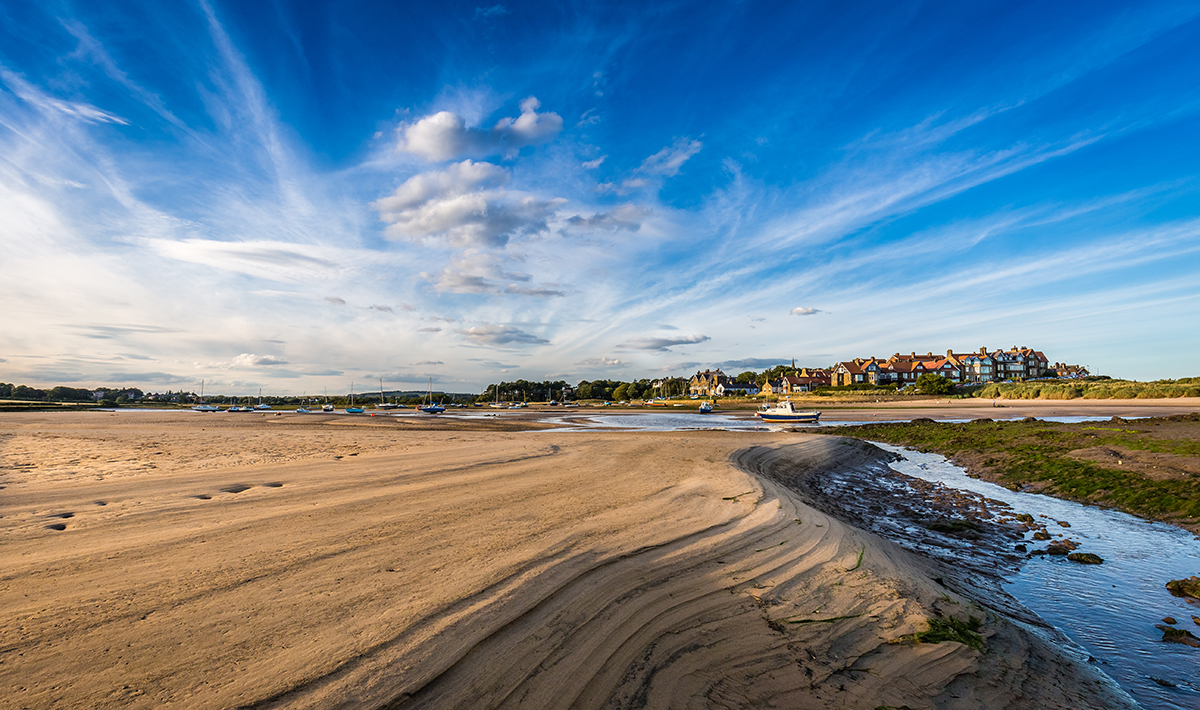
(212, 561)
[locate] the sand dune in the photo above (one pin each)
(249, 567)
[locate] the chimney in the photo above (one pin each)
(914, 353)
(950, 353)
(983, 351)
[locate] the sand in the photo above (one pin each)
(212, 561)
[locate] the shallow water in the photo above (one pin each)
(1110, 609)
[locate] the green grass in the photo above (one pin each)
(1037, 453)
(1084, 389)
(951, 629)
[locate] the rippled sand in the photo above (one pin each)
(210, 561)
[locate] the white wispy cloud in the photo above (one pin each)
(661, 343)
(802, 311)
(669, 160)
(493, 334)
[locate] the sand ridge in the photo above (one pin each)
(465, 569)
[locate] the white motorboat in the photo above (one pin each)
(785, 411)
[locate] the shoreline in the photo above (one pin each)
(309, 563)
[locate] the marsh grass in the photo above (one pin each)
(1081, 389)
(1037, 453)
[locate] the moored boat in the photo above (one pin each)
(429, 407)
(785, 411)
(705, 407)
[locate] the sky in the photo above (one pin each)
(298, 196)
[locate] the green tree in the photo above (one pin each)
(621, 392)
(930, 383)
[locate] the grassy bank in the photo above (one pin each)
(1149, 467)
(1092, 389)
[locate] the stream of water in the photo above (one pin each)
(1110, 609)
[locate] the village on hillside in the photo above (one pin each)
(982, 367)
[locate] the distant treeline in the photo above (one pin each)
(118, 395)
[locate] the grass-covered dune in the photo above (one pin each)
(1148, 467)
(1092, 389)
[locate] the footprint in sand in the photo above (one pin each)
(203, 496)
(56, 526)
(273, 484)
(64, 516)
(100, 502)
(235, 488)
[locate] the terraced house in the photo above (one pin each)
(1015, 363)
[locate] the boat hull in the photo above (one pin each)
(801, 418)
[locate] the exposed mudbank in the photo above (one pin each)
(963, 541)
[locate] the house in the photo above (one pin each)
(848, 373)
(731, 388)
(1020, 363)
(774, 386)
(1068, 371)
(705, 383)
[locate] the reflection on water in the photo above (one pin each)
(1110, 609)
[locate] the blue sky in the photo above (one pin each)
(301, 196)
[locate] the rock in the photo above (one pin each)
(1029, 420)
(1022, 548)
(1173, 635)
(1057, 551)
(1037, 552)
(1041, 535)
(1189, 587)
(1169, 620)
(922, 420)
(1025, 518)
(1196, 619)
(1086, 558)
(1064, 523)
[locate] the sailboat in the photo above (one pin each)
(429, 407)
(202, 407)
(260, 402)
(352, 409)
(303, 408)
(382, 404)
(327, 407)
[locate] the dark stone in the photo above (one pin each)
(1057, 551)
(1189, 587)
(1037, 552)
(1183, 636)
(1169, 620)
(1064, 523)
(1085, 558)
(1041, 535)
(1029, 420)
(1025, 518)
(1020, 548)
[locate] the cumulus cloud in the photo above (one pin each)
(446, 135)
(628, 217)
(661, 344)
(601, 361)
(805, 311)
(669, 160)
(464, 206)
(492, 334)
